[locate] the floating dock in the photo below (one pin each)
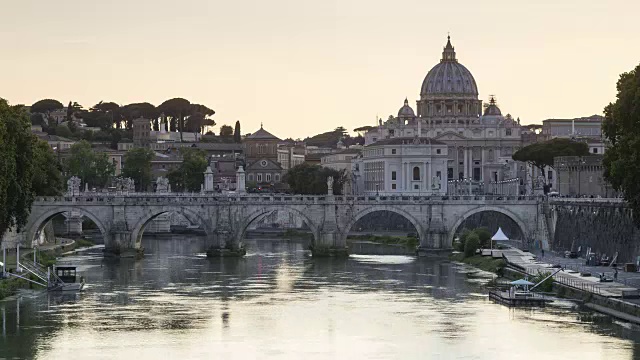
(519, 299)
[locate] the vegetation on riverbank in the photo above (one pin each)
(486, 263)
(10, 286)
(297, 234)
(407, 241)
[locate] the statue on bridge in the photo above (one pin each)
(435, 183)
(162, 185)
(73, 186)
(330, 185)
(125, 185)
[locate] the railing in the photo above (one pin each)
(151, 198)
(570, 281)
(587, 200)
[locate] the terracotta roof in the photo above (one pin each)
(263, 135)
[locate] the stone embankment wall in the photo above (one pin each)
(605, 229)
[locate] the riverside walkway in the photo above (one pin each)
(572, 273)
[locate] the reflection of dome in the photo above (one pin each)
(406, 110)
(449, 76)
(492, 109)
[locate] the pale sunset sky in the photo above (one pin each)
(304, 67)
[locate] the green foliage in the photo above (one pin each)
(91, 167)
(137, 165)
(226, 131)
(541, 154)
(16, 166)
(237, 137)
(175, 110)
(80, 243)
(46, 106)
(471, 244)
(621, 127)
(484, 236)
(312, 179)
(462, 239)
(10, 286)
(63, 130)
(547, 285)
(190, 175)
(47, 174)
(486, 263)
(38, 119)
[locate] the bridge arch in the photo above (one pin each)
(255, 215)
(510, 214)
(362, 213)
(40, 221)
(192, 216)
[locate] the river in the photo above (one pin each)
(276, 303)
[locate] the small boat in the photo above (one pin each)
(64, 278)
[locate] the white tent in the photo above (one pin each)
(499, 236)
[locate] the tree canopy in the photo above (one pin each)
(16, 167)
(541, 154)
(47, 171)
(621, 127)
(237, 137)
(226, 131)
(190, 175)
(137, 165)
(331, 138)
(91, 167)
(312, 179)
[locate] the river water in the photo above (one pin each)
(276, 303)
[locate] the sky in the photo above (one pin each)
(304, 67)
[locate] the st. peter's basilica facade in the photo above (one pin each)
(453, 136)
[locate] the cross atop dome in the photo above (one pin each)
(449, 53)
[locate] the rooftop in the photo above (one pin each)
(263, 134)
(406, 141)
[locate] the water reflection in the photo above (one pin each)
(278, 303)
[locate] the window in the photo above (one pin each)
(416, 187)
(277, 177)
(450, 174)
(595, 150)
(438, 174)
(508, 132)
(476, 174)
(438, 151)
(393, 186)
(550, 174)
(391, 132)
(393, 151)
(259, 177)
(393, 175)
(250, 177)
(416, 173)
(268, 176)
(375, 139)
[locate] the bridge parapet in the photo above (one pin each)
(194, 199)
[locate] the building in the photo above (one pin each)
(590, 127)
(402, 164)
(261, 157)
(141, 132)
(342, 161)
(290, 156)
(478, 144)
(57, 142)
(582, 176)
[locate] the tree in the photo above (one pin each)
(73, 109)
(138, 167)
(541, 154)
(471, 244)
(46, 106)
(47, 174)
(226, 131)
(621, 127)
(189, 176)
(484, 236)
(364, 128)
(93, 169)
(112, 110)
(236, 133)
(139, 110)
(16, 167)
(63, 130)
(176, 109)
(312, 179)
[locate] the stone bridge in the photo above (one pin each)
(225, 219)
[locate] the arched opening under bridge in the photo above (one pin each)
(277, 229)
(387, 231)
(490, 220)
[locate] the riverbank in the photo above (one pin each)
(610, 298)
(46, 255)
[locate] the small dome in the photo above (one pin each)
(449, 76)
(492, 109)
(406, 111)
